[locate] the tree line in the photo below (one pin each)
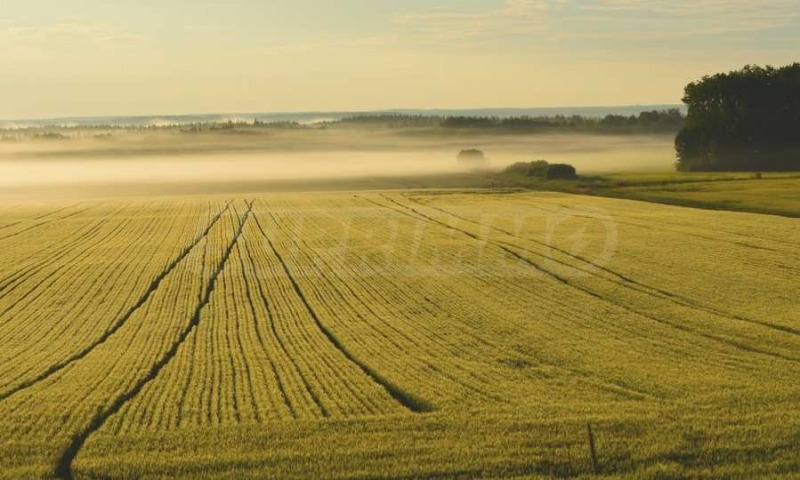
(744, 120)
(657, 121)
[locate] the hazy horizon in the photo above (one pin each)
(322, 115)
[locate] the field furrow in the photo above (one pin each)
(411, 328)
(67, 401)
(371, 335)
(154, 285)
(64, 463)
(258, 361)
(727, 347)
(37, 225)
(722, 332)
(37, 317)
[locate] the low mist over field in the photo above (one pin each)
(265, 158)
(418, 239)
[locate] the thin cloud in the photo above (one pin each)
(693, 18)
(514, 16)
(293, 49)
(646, 20)
(95, 32)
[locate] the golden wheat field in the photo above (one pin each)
(430, 334)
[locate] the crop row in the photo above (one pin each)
(137, 319)
(53, 411)
(680, 273)
(62, 301)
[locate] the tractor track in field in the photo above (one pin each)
(154, 285)
(63, 468)
(38, 290)
(620, 278)
(26, 272)
(389, 338)
(632, 221)
(732, 343)
(279, 342)
(78, 247)
(47, 214)
(40, 224)
(10, 225)
(63, 269)
(405, 399)
(610, 386)
(259, 335)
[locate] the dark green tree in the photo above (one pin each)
(537, 168)
(742, 120)
(561, 171)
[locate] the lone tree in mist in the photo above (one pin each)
(743, 120)
(472, 158)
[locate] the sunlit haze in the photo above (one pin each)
(91, 57)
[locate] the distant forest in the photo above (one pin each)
(657, 121)
(745, 120)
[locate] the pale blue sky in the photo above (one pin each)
(93, 57)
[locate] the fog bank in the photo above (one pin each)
(167, 158)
